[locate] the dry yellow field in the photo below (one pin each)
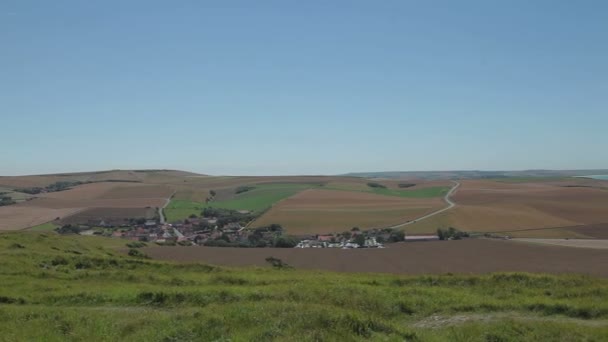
(542, 209)
(324, 211)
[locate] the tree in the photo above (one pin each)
(192, 216)
(440, 234)
(355, 229)
(360, 240)
(212, 192)
(397, 236)
(68, 229)
(284, 241)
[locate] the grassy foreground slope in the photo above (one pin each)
(57, 288)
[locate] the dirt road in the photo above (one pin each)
(446, 199)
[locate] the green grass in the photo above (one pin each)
(182, 209)
(45, 227)
(57, 288)
(255, 200)
(528, 179)
(437, 191)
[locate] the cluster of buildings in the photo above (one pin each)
(190, 231)
(328, 241)
(214, 232)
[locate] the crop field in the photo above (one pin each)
(262, 197)
(552, 207)
(419, 190)
(45, 227)
(471, 256)
(17, 216)
(324, 211)
(112, 199)
(580, 243)
(114, 216)
(84, 288)
(138, 191)
(182, 209)
(544, 209)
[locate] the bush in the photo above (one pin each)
(397, 236)
(406, 185)
(376, 185)
(137, 253)
(451, 234)
(277, 263)
(68, 229)
(285, 241)
(242, 189)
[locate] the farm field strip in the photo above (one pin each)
(523, 209)
(470, 256)
(262, 197)
(578, 243)
(324, 211)
(425, 192)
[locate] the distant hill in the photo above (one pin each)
(93, 176)
(475, 174)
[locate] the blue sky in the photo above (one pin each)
(303, 87)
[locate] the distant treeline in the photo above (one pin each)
(6, 200)
(376, 185)
(58, 186)
(406, 185)
(242, 189)
(66, 185)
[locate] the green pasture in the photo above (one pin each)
(258, 199)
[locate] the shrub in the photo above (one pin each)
(242, 189)
(277, 263)
(137, 253)
(376, 185)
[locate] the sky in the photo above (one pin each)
(303, 87)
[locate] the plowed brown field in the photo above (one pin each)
(124, 198)
(515, 208)
(323, 211)
(473, 256)
(115, 216)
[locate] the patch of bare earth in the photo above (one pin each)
(523, 209)
(580, 243)
(115, 199)
(471, 256)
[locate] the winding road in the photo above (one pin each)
(447, 200)
(160, 210)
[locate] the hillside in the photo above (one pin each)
(476, 174)
(85, 288)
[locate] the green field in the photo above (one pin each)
(437, 191)
(430, 192)
(182, 209)
(57, 288)
(529, 179)
(256, 200)
(45, 227)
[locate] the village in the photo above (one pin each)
(227, 228)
